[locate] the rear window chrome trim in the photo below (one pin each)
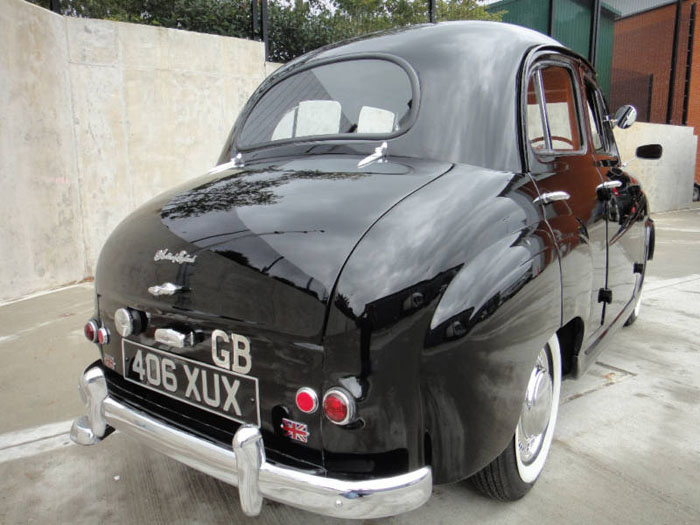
(338, 137)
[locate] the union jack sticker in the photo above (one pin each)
(295, 430)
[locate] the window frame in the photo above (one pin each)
(337, 137)
(600, 112)
(534, 69)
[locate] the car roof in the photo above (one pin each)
(468, 73)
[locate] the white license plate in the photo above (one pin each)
(210, 388)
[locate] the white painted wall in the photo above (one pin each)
(97, 117)
(668, 182)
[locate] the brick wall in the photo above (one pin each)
(643, 46)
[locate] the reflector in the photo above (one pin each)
(90, 330)
(307, 400)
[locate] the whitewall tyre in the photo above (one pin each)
(513, 473)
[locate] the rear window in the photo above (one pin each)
(372, 98)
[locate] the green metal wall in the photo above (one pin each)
(606, 32)
(527, 13)
(572, 27)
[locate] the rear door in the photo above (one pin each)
(625, 217)
(561, 162)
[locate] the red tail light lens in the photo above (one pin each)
(90, 330)
(307, 400)
(103, 336)
(338, 406)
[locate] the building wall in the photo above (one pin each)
(96, 117)
(643, 46)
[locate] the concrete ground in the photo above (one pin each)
(626, 447)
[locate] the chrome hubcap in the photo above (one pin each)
(537, 409)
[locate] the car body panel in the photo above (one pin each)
(424, 284)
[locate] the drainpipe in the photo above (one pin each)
(674, 59)
(595, 24)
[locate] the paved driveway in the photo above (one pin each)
(626, 447)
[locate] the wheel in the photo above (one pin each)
(696, 192)
(514, 472)
(635, 313)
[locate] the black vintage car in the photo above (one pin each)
(409, 240)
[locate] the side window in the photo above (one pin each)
(603, 139)
(552, 116)
(595, 128)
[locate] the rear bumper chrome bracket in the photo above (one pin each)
(244, 464)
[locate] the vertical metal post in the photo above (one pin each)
(595, 25)
(263, 12)
(55, 6)
(674, 57)
(253, 19)
(550, 25)
(650, 94)
(688, 63)
(431, 11)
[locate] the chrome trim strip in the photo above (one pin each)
(245, 465)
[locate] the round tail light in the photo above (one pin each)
(90, 330)
(307, 400)
(103, 336)
(338, 406)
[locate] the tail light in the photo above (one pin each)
(90, 330)
(103, 336)
(307, 400)
(339, 406)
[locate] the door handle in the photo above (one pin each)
(552, 196)
(605, 190)
(608, 185)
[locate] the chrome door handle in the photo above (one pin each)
(552, 196)
(608, 185)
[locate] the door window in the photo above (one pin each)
(601, 132)
(551, 113)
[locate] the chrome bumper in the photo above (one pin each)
(245, 466)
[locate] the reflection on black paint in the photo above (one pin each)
(238, 243)
(235, 191)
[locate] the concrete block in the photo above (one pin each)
(41, 238)
(193, 51)
(143, 47)
(668, 182)
(96, 117)
(241, 57)
(92, 41)
(103, 160)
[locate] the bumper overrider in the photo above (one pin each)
(244, 464)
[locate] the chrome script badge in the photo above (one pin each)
(181, 257)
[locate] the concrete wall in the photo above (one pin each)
(97, 117)
(668, 182)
